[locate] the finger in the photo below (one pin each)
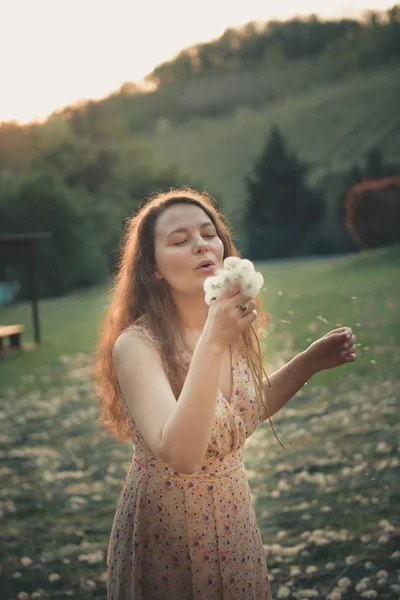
(249, 318)
(231, 290)
(341, 331)
(239, 298)
(350, 345)
(251, 305)
(351, 358)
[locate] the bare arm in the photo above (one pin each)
(284, 386)
(179, 431)
(187, 432)
(176, 431)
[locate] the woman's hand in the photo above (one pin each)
(334, 349)
(225, 322)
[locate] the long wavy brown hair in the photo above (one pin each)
(137, 292)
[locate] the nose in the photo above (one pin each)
(200, 245)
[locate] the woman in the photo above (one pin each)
(184, 381)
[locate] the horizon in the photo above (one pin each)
(67, 66)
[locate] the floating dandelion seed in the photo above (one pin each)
(280, 293)
(322, 319)
(358, 324)
(283, 321)
(373, 362)
(354, 297)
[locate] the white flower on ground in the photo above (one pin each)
(330, 566)
(361, 586)
(335, 594)
(344, 582)
(92, 557)
(383, 539)
(311, 569)
(283, 592)
(233, 269)
(386, 525)
(54, 577)
(369, 594)
(382, 574)
(26, 561)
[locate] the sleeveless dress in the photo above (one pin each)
(178, 536)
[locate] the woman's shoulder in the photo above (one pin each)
(142, 325)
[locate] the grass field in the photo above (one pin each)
(329, 124)
(327, 506)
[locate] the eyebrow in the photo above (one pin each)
(184, 229)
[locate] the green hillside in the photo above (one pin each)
(330, 125)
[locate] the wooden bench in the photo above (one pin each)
(13, 333)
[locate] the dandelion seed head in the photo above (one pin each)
(233, 269)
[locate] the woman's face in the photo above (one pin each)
(184, 237)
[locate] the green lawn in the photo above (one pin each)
(305, 298)
(327, 506)
(68, 325)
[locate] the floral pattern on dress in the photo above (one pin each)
(179, 536)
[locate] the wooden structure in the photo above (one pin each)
(13, 333)
(26, 242)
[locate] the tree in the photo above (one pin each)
(74, 255)
(374, 167)
(281, 205)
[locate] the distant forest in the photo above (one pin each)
(372, 41)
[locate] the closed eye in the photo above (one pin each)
(183, 241)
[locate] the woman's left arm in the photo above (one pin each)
(334, 349)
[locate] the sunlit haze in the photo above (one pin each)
(54, 53)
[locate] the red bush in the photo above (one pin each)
(372, 212)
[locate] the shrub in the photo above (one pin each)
(372, 212)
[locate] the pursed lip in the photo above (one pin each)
(205, 262)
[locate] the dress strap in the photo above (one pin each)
(144, 328)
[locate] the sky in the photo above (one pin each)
(58, 52)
